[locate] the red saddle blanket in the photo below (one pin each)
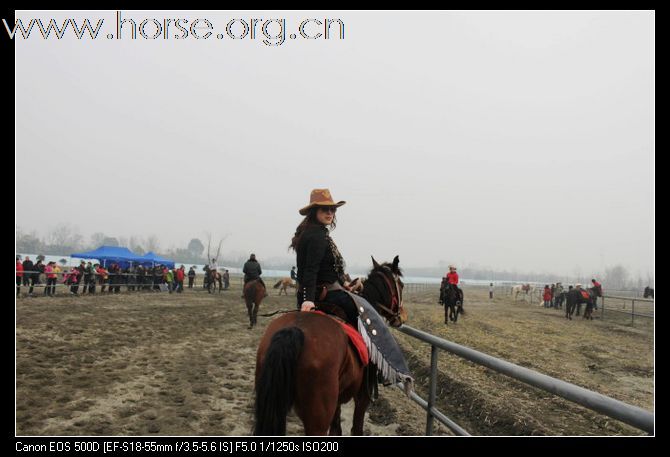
(585, 294)
(355, 338)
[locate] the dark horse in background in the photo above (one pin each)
(212, 277)
(648, 292)
(574, 298)
(254, 292)
(305, 362)
(451, 300)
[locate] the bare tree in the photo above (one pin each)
(135, 245)
(97, 239)
(151, 243)
(64, 235)
(616, 277)
(28, 242)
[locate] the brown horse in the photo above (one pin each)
(305, 362)
(254, 292)
(283, 284)
(212, 277)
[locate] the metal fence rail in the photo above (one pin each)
(632, 312)
(632, 415)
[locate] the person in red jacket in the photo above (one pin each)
(73, 281)
(452, 279)
(19, 274)
(179, 277)
(547, 296)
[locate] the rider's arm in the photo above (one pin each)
(315, 248)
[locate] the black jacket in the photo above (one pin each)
(315, 261)
(28, 268)
(252, 270)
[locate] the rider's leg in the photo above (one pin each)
(343, 300)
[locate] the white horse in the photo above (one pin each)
(525, 288)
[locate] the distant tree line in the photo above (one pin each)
(65, 240)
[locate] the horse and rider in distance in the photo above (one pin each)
(451, 296)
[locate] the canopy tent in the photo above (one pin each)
(155, 259)
(110, 254)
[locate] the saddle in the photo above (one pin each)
(355, 338)
(585, 294)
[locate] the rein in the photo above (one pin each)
(281, 311)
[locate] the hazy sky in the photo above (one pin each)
(518, 140)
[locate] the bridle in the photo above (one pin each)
(394, 288)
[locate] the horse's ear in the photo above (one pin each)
(374, 263)
(396, 260)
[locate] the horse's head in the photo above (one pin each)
(383, 289)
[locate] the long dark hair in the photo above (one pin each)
(308, 221)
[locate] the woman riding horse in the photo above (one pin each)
(297, 336)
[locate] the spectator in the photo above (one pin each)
(169, 279)
(103, 277)
(28, 270)
(38, 269)
(114, 278)
(558, 296)
(191, 277)
(50, 289)
(491, 291)
(157, 278)
(547, 296)
(85, 270)
(179, 278)
(294, 275)
(73, 281)
(226, 279)
(19, 274)
(140, 273)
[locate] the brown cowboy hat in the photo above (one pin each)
(320, 197)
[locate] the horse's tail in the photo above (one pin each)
(276, 286)
(276, 385)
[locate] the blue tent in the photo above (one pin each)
(108, 254)
(155, 259)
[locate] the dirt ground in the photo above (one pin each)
(183, 364)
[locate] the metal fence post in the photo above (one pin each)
(432, 390)
(632, 314)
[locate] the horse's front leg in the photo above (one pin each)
(336, 424)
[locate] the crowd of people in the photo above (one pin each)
(87, 277)
(554, 296)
